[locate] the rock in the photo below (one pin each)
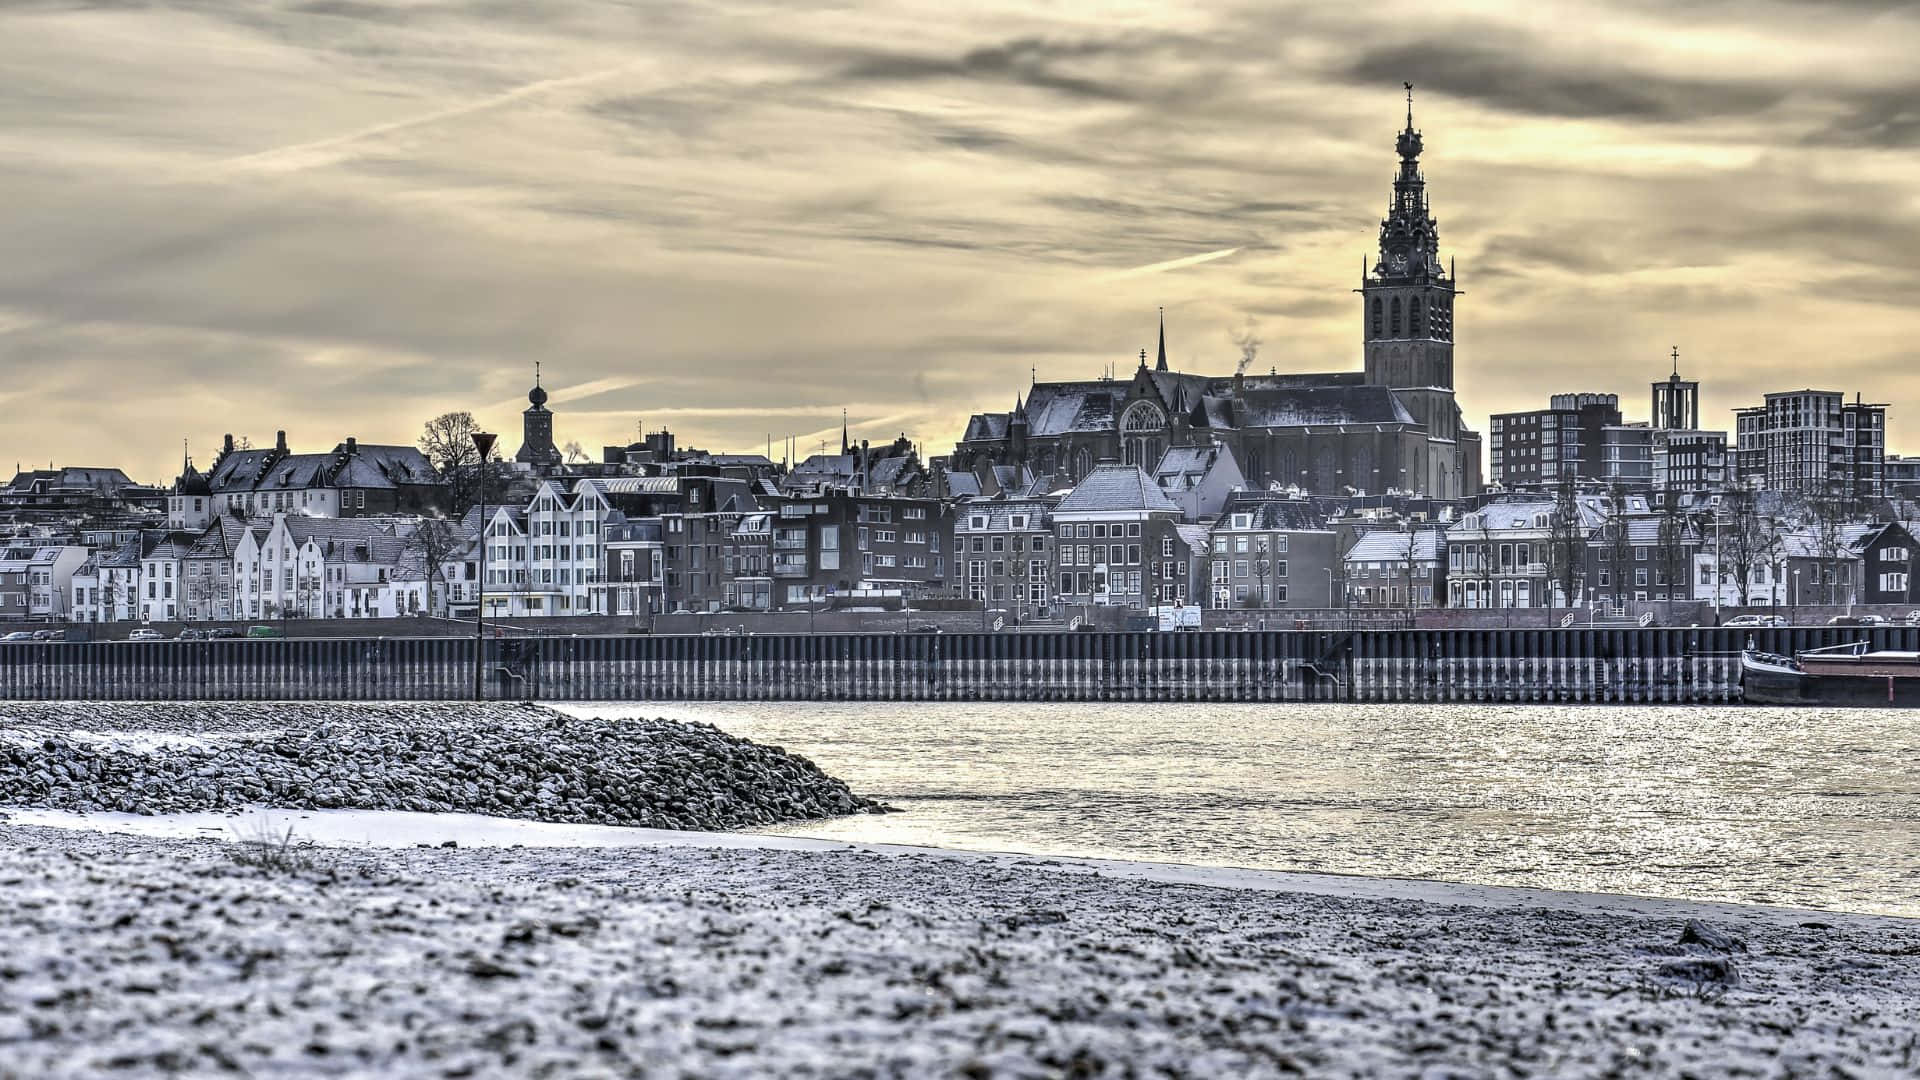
(1707, 937)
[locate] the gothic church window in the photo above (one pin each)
(1377, 318)
(1413, 318)
(1396, 317)
(1140, 434)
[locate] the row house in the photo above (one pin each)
(634, 582)
(354, 480)
(14, 564)
(1859, 563)
(50, 581)
(1003, 555)
(163, 574)
(1397, 569)
(839, 543)
(1498, 556)
(318, 568)
(106, 588)
(1118, 542)
(1636, 555)
(1270, 549)
(750, 564)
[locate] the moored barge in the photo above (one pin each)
(1839, 675)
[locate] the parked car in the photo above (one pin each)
(145, 634)
(1857, 620)
(263, 632)
(1756, 620)
(1913, 618)
(1873, 620)
(46, 635)
(19, 635)
(191, 633)
(223, 632)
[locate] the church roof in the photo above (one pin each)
(1322, 406)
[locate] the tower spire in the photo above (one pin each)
(1676, 361)
(1409, 87)
(846, 444)
(1162, 365)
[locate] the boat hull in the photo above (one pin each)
(1774, 684)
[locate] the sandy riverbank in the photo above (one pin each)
(787, 958)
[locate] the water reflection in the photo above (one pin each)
(1809, 807)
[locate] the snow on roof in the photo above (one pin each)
(1110, 487)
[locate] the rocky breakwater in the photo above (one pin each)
(503, 760)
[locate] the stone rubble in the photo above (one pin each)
(125, 956)
(504, 760)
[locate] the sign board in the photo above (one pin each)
(1174, 617)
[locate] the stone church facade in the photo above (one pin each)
(1394, 424)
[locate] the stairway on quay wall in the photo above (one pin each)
(1697, 665)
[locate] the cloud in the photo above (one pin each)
(1175, 264)
(737, 216)
(1513, 76)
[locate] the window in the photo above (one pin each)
(1166, 547)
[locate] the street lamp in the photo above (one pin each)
(482, 442)
(1796, 596)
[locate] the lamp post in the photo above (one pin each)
(1719, 575)
(1795, 608)
(483, 442)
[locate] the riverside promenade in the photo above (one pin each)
(1697, 665)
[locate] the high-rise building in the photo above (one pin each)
(1566, 439)
(1813, 442)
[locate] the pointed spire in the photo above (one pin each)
(1409, 87)
(846, 444)
(1676, 361)
(1162, 364)
(1143, 359)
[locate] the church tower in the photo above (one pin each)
(536, 429)
(1407, 323)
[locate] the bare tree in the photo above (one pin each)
(431, 548)
(575, 452)
(1566, 546)
(1748, 540)
(1619, 541)
(1829, 516)
(1670, 554)
(447, 440)
(1262, 569)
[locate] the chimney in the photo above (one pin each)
(227, 446)
(353, 446)
(280, 441)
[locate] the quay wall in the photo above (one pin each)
(1679, 665)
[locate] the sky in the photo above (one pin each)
(735, 220)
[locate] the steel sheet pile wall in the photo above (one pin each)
(1538, 665)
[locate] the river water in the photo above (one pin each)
(1815, 808)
